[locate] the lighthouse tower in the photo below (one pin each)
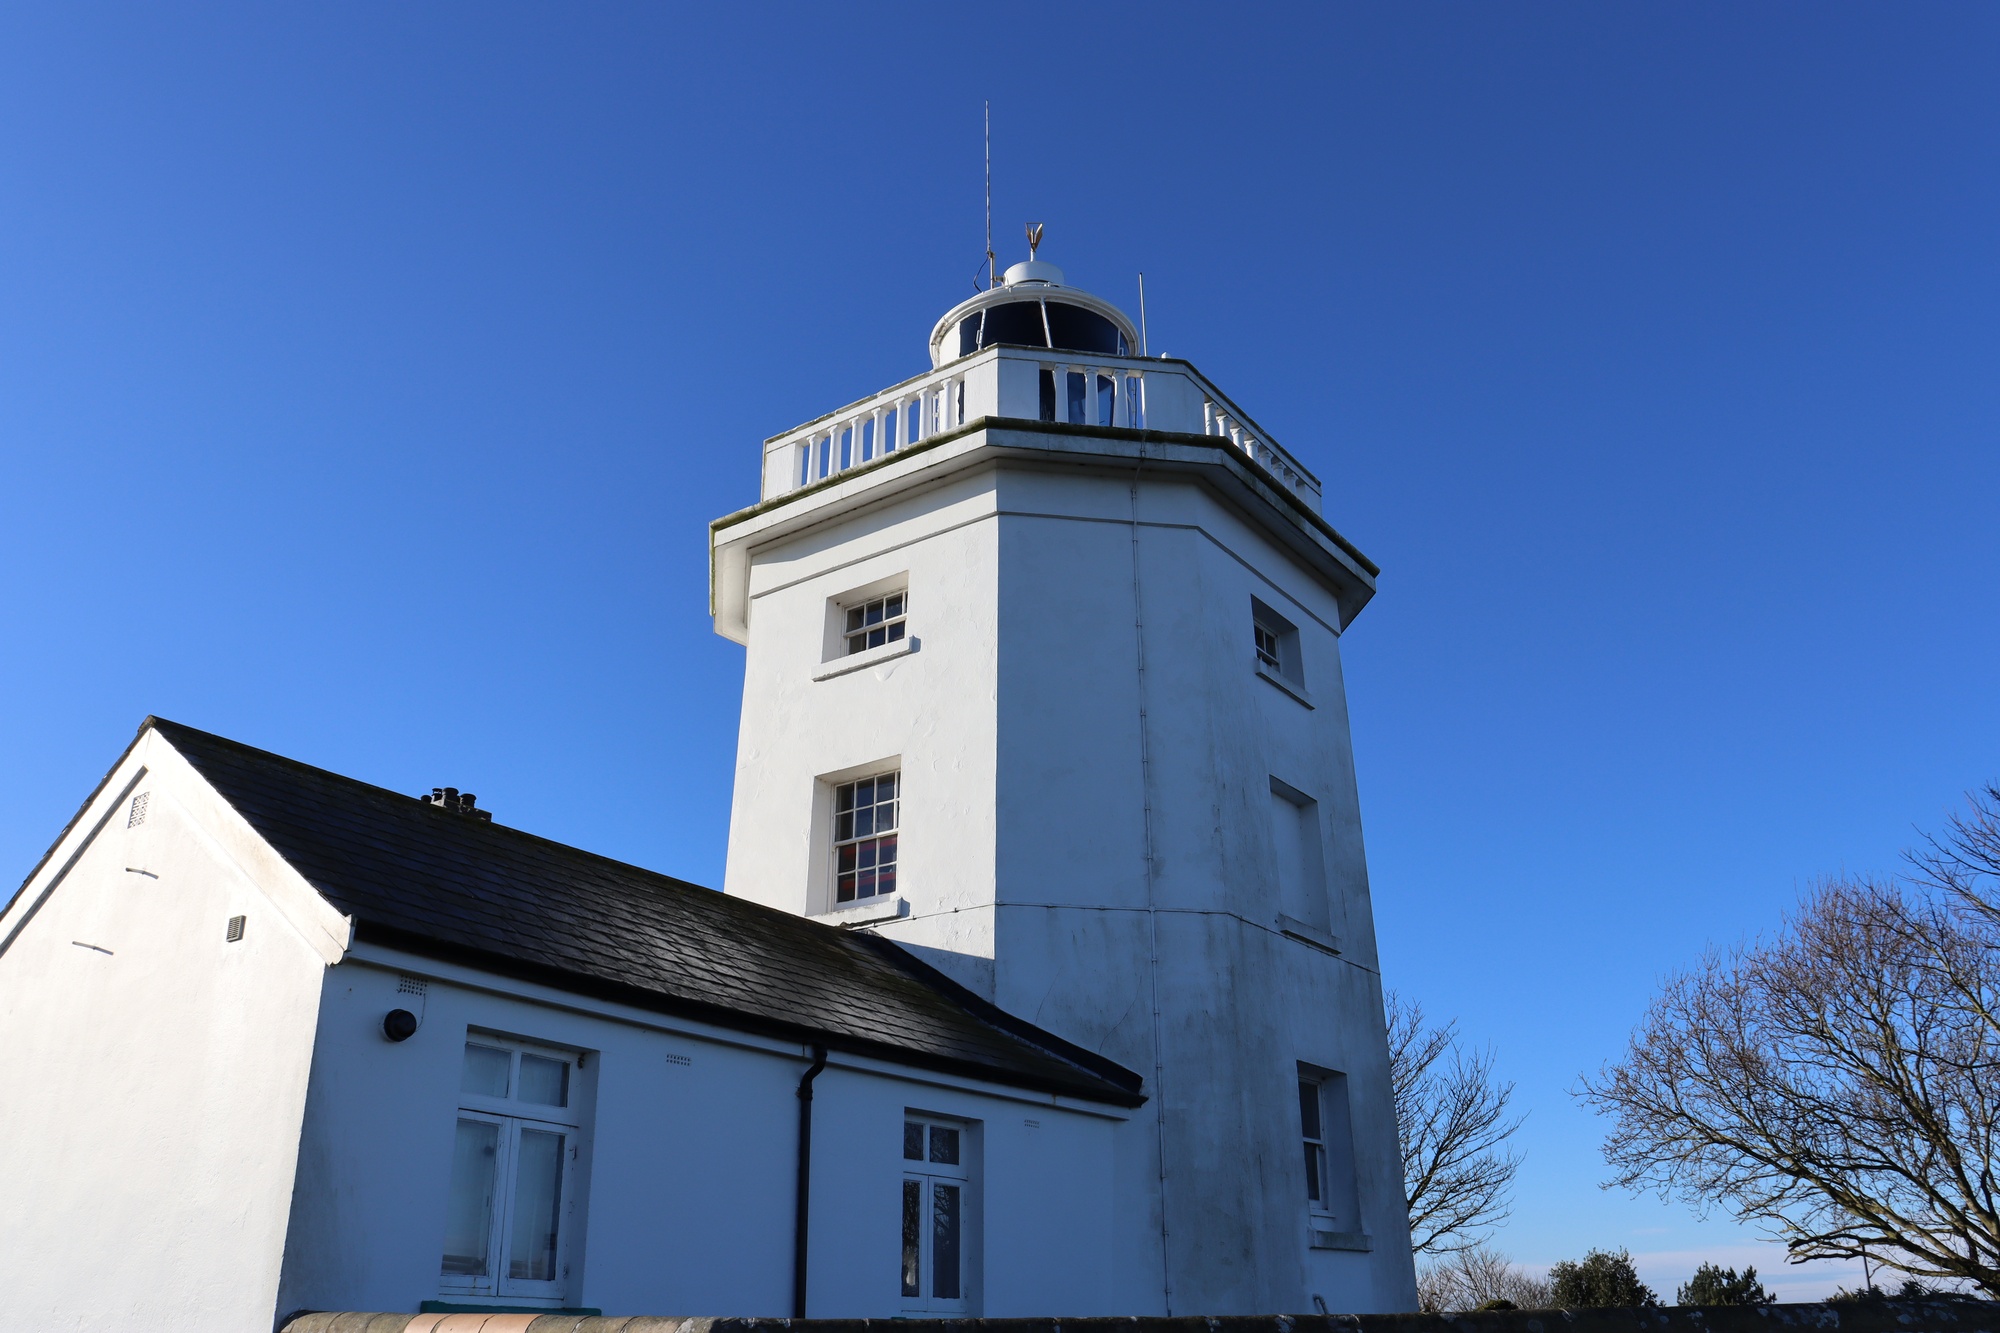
(1043, 682)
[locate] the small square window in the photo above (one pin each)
(1276, 641)
(1268, 648)
(873, 624)
(487, 1071)
(865, 819)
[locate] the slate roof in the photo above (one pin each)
(442, 884)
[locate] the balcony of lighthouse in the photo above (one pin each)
(1033, 384)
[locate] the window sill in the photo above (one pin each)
(1306, 933)
(1359, 1241)
(865, 913)
(866, 658)
(1297, 691)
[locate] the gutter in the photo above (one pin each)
(1097, 1079)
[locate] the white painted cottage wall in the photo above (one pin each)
(216, 1134)
(153, 1094)
(1044, 1197)
(689, 1187)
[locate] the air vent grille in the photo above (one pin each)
(138, 815)
(235, 929)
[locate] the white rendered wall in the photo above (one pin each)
(1025, 867)
(935, 718)
(215, 1134)
(155, 1081)
(689, 1190)
(1241, 1003)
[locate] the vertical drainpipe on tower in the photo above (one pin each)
(799, 1225)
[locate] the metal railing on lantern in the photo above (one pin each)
(1131, 393)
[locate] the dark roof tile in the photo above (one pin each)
(435, 882)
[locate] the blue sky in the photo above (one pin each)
(369, 373)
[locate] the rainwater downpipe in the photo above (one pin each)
(799, 1225)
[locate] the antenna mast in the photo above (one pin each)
(989, 192)
(1142, 313)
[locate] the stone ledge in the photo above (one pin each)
(1895, 1316)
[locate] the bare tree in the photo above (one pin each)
(1478, 1276)
(1452, 1119)
(1965, 863)
(1838, 1083)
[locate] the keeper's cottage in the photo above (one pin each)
(1043, 980)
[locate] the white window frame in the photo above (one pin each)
(1312, 1093)
(929, 1178)
(1338, 1205)
(837, 657)
(1275, 644)
(891, 628)
(1270, 648)
(875, 836)
(512, 1116)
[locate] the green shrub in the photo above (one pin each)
(1600, 1280)
(1712, 1284)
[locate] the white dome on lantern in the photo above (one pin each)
(1033, 308)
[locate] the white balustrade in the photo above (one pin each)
(1124, 393)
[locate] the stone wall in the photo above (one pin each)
(1913, 1316)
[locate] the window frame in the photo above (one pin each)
(930, 1177)
(875, 837)
(1280, 657)
(835, 657)
(1338, 1205)
(513, 1116)
(894, 628)
(1312, 1092)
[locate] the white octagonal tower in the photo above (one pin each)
(1044, 683)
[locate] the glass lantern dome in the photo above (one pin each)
(1032, 308)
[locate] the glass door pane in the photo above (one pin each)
(531, 1250)
(468, 1231)
(913, 1236)
(944, 1241)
